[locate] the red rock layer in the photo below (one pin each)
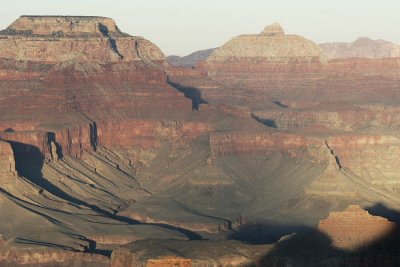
(355, 227)
(169, 261)
(148, 133)
(258, 142)
(351, 80)
(129, 89)
(55, 39)
(75, 139)
(333, 116)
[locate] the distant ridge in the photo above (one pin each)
(363, 47)
(190, 60)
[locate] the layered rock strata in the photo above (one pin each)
(7, 164)
(258, 70)
(54, 39)
(354, 228)
(272, 44)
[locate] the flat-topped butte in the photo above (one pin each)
(55, 39)
(63, 26)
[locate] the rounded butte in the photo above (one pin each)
(272, 44)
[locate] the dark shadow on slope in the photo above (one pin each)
(192, 93)
(44, 244)
(279, 103)
(29, 162)
(314, 248)
(113, 43)
(23, 204)
(201, 214)
(51, 137)
(380, 209)
(308, 249)
(93, 248)
(267, 122)
(265, 233)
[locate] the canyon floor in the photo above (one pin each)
(266, 153)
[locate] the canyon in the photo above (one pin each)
(110, 156)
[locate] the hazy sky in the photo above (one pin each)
(183, 26)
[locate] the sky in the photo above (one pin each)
(180, 27)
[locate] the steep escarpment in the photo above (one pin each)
(68, 25)
(55, 39)
(7, 163)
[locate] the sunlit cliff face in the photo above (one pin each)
(354, 228)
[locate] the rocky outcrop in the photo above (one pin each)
(271, 45)
(361, 48)
(27, 143)
(48, 50)
(354, 228)
(67, 25)
(7, 165)
(55, 39)
(40, 257)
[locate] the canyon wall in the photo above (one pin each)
(354, 228)
(7, 164)
(69, 25)
(56, 38)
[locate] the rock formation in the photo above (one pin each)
(271, 45)
(55, 39)
(361, 48)
(354, 228)
(67, 25)
(7, 163)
